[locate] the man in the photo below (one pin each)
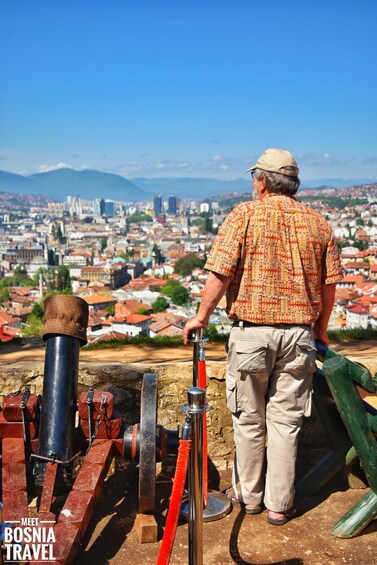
(278, 263)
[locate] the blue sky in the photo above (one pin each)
(199, 88)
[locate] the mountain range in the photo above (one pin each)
(87, 184)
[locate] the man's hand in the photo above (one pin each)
(214, 289)
(320, 326)
(321, 335)
(191, 326)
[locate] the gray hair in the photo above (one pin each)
(278, 183)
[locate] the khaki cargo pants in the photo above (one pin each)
(269, 383)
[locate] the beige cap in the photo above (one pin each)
(277, 161)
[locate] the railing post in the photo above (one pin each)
(196, 407)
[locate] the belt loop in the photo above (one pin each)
(240, 323)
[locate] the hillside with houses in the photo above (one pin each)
(139, 266)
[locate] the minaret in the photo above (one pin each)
(45, 250)
(40, 285)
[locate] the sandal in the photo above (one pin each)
(281, 521)
(247, 508)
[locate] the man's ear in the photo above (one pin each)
(263, 188)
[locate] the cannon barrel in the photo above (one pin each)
(66, 319)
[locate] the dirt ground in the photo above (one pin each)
(237, 538)
(9, 354)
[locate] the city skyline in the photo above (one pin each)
(166, 90)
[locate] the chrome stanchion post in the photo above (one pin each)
(196, 407)
(218, 505)
(197, 341)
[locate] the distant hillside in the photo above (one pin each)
(194, 188)
(10, 182)
(88, 185)
(60, 183)
(335, 183)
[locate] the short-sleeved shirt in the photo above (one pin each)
(278, 253)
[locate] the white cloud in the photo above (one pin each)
(46, 168)
(327, 155)
(217, 158)
(160, 166)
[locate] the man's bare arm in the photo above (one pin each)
(320, 326)
(214, 289)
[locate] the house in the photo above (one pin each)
(350, 281)
(357, 268)
(128, 307)
(133, 325)
(98, 302)
(357, 316)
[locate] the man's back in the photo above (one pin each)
(278, 253)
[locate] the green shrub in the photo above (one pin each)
(355, 334)
(159, 341)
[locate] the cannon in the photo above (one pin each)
(68, 460)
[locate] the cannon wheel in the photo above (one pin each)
(147, 464)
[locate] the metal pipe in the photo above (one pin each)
(196, 408)
(56, 433)
(197, 337)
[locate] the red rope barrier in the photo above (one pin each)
(175, 502)
(202, 382)
(202, 376)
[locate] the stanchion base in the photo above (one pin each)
(218, 506)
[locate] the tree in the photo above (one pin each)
(138, 218)
(20, 278)
(157, 252)
(103, 243)
(37, 310)
(143, 311)
(4, 294)
(176, 292)
(180, 296)
(185, 265)
(64, 280)
(160, 304)
(59, 235)
(33, 327)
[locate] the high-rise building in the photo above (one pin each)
(172, 205)
(109, 208)
(98, 207)
(157, 205)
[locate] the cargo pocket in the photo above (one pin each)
(306, 355)
(308, 404)
(251, 357)
(231, 393)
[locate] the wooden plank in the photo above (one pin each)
(15, 505)
(78, 510)
(91, 478)
(13, 451)
(48, 487)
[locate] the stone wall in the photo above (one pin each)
(125, 380)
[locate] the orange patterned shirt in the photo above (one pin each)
(278, 253)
